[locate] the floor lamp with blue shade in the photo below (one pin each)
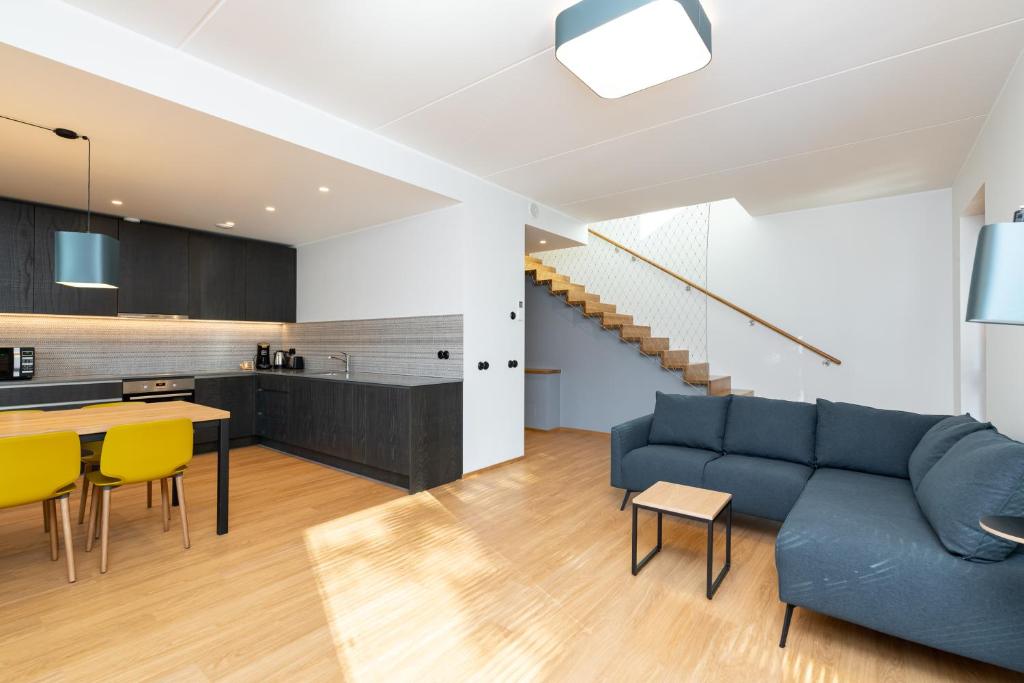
(997, 297)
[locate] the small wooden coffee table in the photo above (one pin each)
(688, 502)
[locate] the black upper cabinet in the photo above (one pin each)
(47, 295)
(16, 256)
(270, 282)
(217, 284)
(165, 270)
(154, 269)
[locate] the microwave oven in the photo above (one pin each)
(17, 362)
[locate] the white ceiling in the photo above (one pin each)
(171, 164)
(806, 102)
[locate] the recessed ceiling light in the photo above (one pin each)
(116, 202)
(132, 220)
(226, 225)
(543, 241)
(271, 209)
(621, 48)
(324, 188)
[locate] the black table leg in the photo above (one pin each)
(647, 558)
(223, 432)
(712, 586)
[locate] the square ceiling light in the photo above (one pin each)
(619, 47)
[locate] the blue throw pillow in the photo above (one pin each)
(983, 474)
(771, 428)
(694, 421)
(852, 437)
(937, 441)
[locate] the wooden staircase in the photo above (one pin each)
(611, 319)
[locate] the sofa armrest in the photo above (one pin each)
(626, 437)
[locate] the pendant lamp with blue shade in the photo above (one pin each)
(83, 259)
(997, 283)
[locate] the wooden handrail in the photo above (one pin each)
(722, 300)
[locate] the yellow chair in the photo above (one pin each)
(91, 451)
(46, 503)
(132, 454)
(42, 468)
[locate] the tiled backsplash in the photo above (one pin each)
(404, 346)
(118, 347)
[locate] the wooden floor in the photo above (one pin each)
(518, 573)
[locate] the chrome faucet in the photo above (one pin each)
(344, 356)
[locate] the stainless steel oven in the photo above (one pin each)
(154, 389)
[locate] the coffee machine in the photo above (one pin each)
(263, 356)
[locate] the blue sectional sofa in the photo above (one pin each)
(880, 509)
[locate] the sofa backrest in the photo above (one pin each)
(692, 421)
(853, 437)
(771, 428)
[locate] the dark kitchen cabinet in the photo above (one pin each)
(272, 405)
(410, 436)
(234, 394)
(216, 282)
(154, 269)
(320, 417)
(269, 282)
(47, 295)
(17, 254)
(380, 427)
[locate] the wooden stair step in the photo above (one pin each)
(597, 308)
(675, 360)
(532, 262)
(616, 320)
(575, 294)
(544, 274)
(634, 332)
(742, 392)
(697, 373)
(719, 385)
(558, 277)
(652, 346)
(561, 287)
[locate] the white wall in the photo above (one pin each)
(867, 282)
(971, 350)
(401, 269)
(997, 164)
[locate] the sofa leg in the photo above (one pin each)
(625, 499)
(785, 624)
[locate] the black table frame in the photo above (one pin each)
(223, 462)
(712, 584)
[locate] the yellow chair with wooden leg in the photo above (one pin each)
(42, 468)
(132, 454)
(91, 451)
(46, 503)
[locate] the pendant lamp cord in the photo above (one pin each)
(34, 125)
(70, 135)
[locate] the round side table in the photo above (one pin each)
(1010, 528)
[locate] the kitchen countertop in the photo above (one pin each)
(354, 377)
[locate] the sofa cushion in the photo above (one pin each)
(857, 547)
(983, 474)
(937, 441)
(853, 437)
(693, 421)
(644, 467)
(771, 428)
(759, 486)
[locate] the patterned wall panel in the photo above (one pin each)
(118, 347)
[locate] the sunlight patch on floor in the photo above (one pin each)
(410, 591)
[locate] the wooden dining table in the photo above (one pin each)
(96, 423)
